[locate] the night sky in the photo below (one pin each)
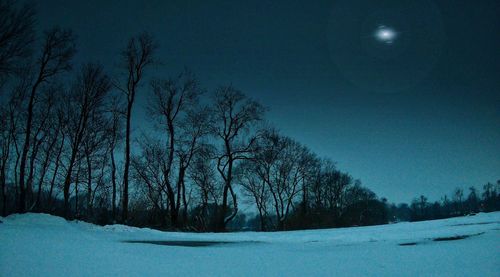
(415, 111)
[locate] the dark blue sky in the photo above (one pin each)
(418, 116)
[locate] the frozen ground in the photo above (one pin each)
(44, 245)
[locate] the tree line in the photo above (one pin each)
(67, 146)
(460, 203)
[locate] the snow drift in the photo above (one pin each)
(44, 245)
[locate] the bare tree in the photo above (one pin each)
(113, 139)
(85, 100)
(94, 152)
(62, 121)
(41, 135)
(137, 56)
(281, 162)
(148, 171)
(473, 200)
(249, 176)
(15, 119)
(5, 145)
(175, 105)
(16, 37)
(327, 189)
(458, 197)
(194, 128)
(202, 175)
(48, 155)
(57, 50)
(234, 117)
(44, 139)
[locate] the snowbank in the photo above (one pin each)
(44, 245)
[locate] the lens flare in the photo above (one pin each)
(385, 34)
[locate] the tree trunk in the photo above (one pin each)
(16, 179)
(221, 225)
(67, 183)
(281, 225)
(29, 182)
(56, 169)
(46, 162)
(113, 180)
(3, 188)
(89, 186)
(26, 146)
(127, 164)
(24, 155)
(76, 193)
(261, 214)
(223, 210)
(185, 204)
(174, 217)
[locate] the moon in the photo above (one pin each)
(385, 34)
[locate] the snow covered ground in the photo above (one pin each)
(44, 245)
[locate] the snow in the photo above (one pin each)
(45, 245)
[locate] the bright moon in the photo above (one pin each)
(385, 34)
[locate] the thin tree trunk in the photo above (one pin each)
(3, 169)
(82, 124)
(45, 165)
(184, 200)
(260, 207)
(227, 188)
(223, 210)
(26, 146)
(4, 188)
(113, 180)
(235, 206)
(76, 192)
(127, 164)
(89, 186)
(16, 179)
(24, 155)
(67, 183)
(56, 169)
(29, 182)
